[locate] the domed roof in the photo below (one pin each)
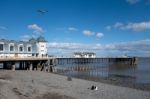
(32, 39)
(41, 39)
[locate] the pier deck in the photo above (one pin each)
(33, 62)
(29, 63)
(23, 59)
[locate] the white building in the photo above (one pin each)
(32, 48)
(84, 55)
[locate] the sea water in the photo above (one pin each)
(139, 73)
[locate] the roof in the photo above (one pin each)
(84, 53)
(41, 39)
(32, 40)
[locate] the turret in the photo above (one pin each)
(42, 47)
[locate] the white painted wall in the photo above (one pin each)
(42, 48)
(85, 56)
(77, 56)
(14, 55)
(24, 55)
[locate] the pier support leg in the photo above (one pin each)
(51, 69)
(21, 65)
(30, 67)
(4, 65)
(26, 64)
(39, 66)
(13, 67)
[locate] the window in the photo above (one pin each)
(1, 47)
(11, 48)
(29, 49)
(42, 50)
(21, 48)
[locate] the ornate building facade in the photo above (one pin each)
(32, 48)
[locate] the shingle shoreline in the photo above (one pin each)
(38, 85)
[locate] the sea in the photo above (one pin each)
(139, 73)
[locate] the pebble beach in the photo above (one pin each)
(41, 85)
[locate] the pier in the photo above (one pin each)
(87, 64)
(131, 61)
(28, 63)
(49, 63)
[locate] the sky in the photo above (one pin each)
(106, 27)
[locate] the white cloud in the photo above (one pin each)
(91, 33)
(85, 32)
(138, 26)
(99, 35)
(141, 26)
(132, 1)
(133, 47)
(142, 45)
(147, 2)
(72, 29)
(25, 37)
(3, 28)
(108, 27)
(74, 46)
(35, 28)
(118, 25)
(88, 33)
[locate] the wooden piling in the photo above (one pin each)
(30, 66)
(13, 67)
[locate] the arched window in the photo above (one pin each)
(1, 47)
(11, 47)
(29, 49)
(20, 48)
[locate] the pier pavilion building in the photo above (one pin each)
(84, 55)
(34, 47)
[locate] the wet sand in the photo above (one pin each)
(41, 85)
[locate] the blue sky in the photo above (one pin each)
(107, 27)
